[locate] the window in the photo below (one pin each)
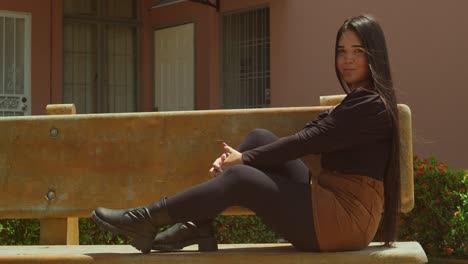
(15, 61)
(101, 55)
(246, 59)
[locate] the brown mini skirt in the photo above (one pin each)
(347, 210)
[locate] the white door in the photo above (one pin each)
(174, 68)
(15, 64)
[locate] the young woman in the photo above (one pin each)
(337, 210)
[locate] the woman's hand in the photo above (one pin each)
(230, 158)
(234, 157)
(216, 169)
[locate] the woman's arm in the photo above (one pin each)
(359, 119)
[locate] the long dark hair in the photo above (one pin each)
(373, 41)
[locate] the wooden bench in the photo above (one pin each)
(62, 166)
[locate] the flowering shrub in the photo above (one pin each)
(439, 220)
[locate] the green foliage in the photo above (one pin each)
(243, 229)
(439, 220)
(228, 230)
(91, 234)
(19, 232)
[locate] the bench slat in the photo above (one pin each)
(403, 253)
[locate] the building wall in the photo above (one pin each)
(426, 42)
(41, 48)
(207, 46)
(205, 54)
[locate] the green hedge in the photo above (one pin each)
(19, 231)
(439, 220)
(229, 230)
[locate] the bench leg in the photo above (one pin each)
(59, 231)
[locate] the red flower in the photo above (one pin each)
(442, 165)
(449, 250)
(420, 172)
(442, 171)
(223, 228)
(431, 167)
(424, 185)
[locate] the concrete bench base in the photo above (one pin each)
(404, 252)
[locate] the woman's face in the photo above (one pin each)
(351, 61)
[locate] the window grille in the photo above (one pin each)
(101, 55)
(246, 59)
(15, 34)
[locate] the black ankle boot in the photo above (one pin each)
(141, 223)
(185, 234)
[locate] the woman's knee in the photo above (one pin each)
(260, 133)
(256, 138)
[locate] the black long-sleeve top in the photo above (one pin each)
(353, 138)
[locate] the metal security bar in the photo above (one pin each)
(246, 59)
(14, 71)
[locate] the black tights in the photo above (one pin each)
(280, 195)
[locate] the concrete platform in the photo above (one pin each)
(404, 252)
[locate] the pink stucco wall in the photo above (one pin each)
(207, 45)
(41, 48)
(426, 41)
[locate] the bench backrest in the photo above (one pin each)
(67, 165)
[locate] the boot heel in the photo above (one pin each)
(207, 244)
(144, 244)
